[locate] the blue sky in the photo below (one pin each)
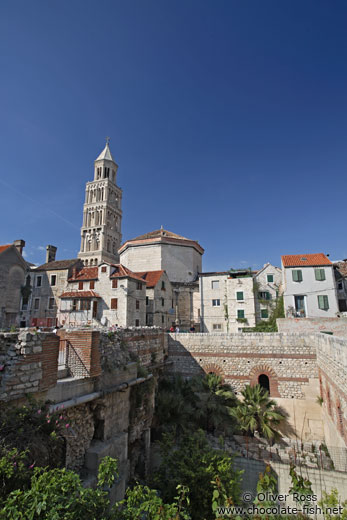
(227, 119)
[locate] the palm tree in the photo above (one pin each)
(215, 400)
(257, 412)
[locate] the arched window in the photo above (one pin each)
(86, 263)
(264, 382)
(108, 246)
(28, 281)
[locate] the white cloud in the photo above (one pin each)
(41, 248)
(25, 255)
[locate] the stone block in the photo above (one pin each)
(116, 447)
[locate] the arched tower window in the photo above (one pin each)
(264, 382)
(86, 263)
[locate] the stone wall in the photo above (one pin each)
(28, 363)
(332, 363)
(313, 325)
(289, 361)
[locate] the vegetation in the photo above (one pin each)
(258, 413)
(270, 325)
(191, 462)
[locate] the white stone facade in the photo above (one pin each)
(233, 300)
(112, 296)
(102, 214)
(307, 296)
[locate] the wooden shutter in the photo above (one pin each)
(239, 295)
(92, 285)
(114, 284)
(114, 303)
(80, 285)
(240, 313)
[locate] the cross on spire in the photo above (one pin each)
(107, 140)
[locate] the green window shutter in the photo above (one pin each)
(270, 278)
(239, 295)
(264, 313)
(297, 275)
(240, 313)
(323, 302)
(319, 274)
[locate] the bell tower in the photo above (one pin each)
(102, 215)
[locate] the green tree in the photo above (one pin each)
(191, 462)
(257, 412)
(214, 401)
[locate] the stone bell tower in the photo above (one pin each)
(102, 215)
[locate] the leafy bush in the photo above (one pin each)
(194, 464)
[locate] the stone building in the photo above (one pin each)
(159, 299)
(13, 269)
(309, 286)
(102, 214)
(238, 298)
(180, 257)
(340, 270)
(268, 285)
(106, 295)
(48, 282)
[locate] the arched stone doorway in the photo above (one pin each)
(264, 382)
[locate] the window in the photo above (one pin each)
(215, 284)
(104, 269)
(147, 300)
(139, 286)
(270, 278)
(80, 285)
(137, 304)
(36, 304)
(319, 274)
(92, 285)
(74, 305)
(340, 286)
(51, 303)
(323, 302)
(162, 302)
(217, 326)
(39, 281)
(137, 323)
(114, 284)
(85, 305)
(264, 295)
(240, 313)
(215, 303)
(297, 275)
(114, 303)
(239, 295)
(162, 318)
(53, 279)
(163, 286)
(25, 303)
(264, 313)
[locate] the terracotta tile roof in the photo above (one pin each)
(58, 264)
(151, 277)
(121, 272)
(161, 236)
(80, 294)
(3, 248)
(87, 273)
(315, 259)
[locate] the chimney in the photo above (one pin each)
(50, 254)
(19, 244)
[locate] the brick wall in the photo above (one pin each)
(289, 361)
(84, 344)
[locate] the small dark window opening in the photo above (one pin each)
(264, 382)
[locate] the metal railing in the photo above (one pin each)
(70, 359)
